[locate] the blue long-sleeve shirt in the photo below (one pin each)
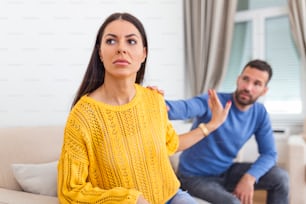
(214, 155)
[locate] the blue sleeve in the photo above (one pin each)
(187, 109)
(266, 148)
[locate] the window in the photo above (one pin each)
(262, 30)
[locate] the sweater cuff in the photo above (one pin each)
(253, 174)
(133, 196)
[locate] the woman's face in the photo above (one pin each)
(121, 50)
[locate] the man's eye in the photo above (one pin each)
(110, 41)
(245, 79)
(257, 84)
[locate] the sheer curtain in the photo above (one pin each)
(297, 14)
(208, 34)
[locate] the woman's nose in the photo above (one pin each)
(121, 49)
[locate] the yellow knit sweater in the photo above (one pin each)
(112, 154)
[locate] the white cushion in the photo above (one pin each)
(37, 178)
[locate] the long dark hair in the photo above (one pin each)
(94, 75)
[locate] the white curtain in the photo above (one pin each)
(208, 34)
(297, 15)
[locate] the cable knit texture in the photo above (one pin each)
(112, 154)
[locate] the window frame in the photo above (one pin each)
(293, 122)
(258, 25)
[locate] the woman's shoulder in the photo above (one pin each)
(83, 103)
(149, 94)
(144, 90)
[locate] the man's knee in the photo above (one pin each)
(281, 178)
(284, 179)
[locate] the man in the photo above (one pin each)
(207, 169)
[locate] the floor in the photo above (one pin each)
(260, 197)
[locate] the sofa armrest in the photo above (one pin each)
(17, 197)
(296, 168)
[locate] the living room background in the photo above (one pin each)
(45, 47)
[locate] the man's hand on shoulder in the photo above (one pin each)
(160, 91)
(155, 88)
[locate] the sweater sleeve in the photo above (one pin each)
(172, 140)
(74, 184)
(187, 109)
(266, 147)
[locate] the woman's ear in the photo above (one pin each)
(100, 55)
(144, 54)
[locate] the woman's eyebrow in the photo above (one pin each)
(132, 35)
(127, 36)
(112, 35)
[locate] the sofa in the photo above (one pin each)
(174, 159)
(26, 154)
(297, 167)
(28, 164)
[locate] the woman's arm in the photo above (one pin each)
(74, 182)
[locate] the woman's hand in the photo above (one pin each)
(142, 200)
(219, 114)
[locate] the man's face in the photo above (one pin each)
(251, 84)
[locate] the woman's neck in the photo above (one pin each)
(114, 94)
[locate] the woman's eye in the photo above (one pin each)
(110, 41)
(132, 42)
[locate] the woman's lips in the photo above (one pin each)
(121, 62)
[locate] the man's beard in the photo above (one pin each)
(242, 101)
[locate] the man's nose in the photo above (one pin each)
(248, 86)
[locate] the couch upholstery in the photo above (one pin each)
(30, 145)
(297, 167)
(33, 145)
(174, 161)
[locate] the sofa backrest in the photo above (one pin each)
(304, 129)
(27, 145)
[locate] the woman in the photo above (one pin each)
(118, 137)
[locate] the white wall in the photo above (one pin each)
(45, 47)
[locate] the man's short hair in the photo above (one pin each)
(260, 65)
